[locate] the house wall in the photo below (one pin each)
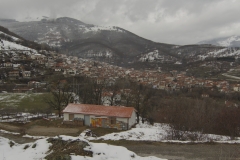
(132, 120)
(105, 122)
(125, 120)
(79, 116)
(65, 117)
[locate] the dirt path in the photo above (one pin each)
(10, 128)
(37, 130)
(188, 151)
(52, 131)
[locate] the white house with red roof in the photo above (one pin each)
(121, 118)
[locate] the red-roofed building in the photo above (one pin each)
(122, 118)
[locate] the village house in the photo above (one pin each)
(26, 74)
(8, 65)
(49, 64)
(34, 84)
(13, 75)
(110, 98)
(16, 66)
(236, 87)
(37, 56)
(70, 71)
(121, 118)
(22, 88)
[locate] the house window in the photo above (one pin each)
(113, 120)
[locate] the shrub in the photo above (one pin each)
(11, 143)
(26, 146)
(34, 145)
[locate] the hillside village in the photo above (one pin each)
(30, 67)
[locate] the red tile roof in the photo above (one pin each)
(89, 109)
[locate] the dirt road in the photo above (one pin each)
(188, 151)
(52, 131)
(37, 130)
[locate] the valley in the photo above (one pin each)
(186, 96)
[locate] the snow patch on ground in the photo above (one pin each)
(17, 151)
(108, 152)
(104, 151)
(33, 137)
(159, 132)
(7, 132)
(100, 150)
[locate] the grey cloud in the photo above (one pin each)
(167, 21)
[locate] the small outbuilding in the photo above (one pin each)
(121, 118)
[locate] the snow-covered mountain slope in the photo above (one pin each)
(225, 52)
(9, 36)
(58, 30)
(232, 41)
(150, 56)
(78, 38)
(10, 43)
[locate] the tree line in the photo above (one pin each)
(185, 110)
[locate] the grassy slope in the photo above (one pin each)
(22, 101)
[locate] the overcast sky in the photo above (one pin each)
(166, 21)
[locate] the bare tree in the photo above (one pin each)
(140, 100)
(61, 95)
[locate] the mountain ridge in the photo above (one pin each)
(228, 41)
(78, 38)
